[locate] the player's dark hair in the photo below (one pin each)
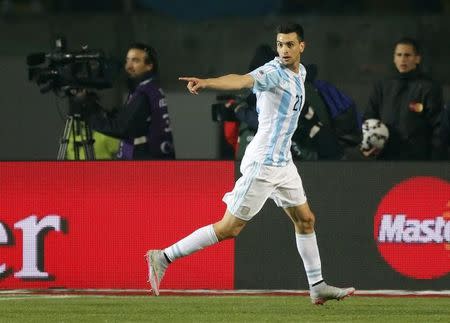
(291, 27)
(150, 58)
(411, 42)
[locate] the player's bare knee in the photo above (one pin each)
(307, 226)
(309, 218)
(304, 223)
(224, 232)
(234, 232)
(227, 233)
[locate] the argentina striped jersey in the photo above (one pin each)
(280, 95)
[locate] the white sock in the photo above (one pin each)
(197, 240)
(309, 251)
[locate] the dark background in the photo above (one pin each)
(350, 41)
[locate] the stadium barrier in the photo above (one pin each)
(87, 225)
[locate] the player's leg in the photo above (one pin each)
(228, 227)
(305, 237)
(291, 196)
(158, 260)
(320, 292)
(243, 202)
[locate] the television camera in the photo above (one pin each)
(62, 71)
(73, 75)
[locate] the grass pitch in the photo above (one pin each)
(80, 308)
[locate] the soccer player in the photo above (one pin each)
(267, 168)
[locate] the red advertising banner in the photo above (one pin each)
(89, 224)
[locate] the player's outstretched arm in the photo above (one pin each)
(228, 82)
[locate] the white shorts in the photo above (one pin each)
(260, 182)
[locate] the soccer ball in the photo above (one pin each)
(375, 134)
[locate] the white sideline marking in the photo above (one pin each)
(62, 293)
(31, 296)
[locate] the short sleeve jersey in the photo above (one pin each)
(280, 95)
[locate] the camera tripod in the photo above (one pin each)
(77, 135)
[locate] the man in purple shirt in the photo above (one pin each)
(143, 124)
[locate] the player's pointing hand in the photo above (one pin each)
(194, 84)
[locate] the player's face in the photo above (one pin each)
(135, 64)
(289, 49)
(405, 58)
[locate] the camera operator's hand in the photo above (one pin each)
(86, 102)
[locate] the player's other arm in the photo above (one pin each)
(228, 82)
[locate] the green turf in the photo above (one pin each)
(221, 309)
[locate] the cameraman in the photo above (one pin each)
(143, 124)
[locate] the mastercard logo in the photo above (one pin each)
(412, 228)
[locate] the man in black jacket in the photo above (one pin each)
(410, 105)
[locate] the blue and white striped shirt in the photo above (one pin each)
(280, 95)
